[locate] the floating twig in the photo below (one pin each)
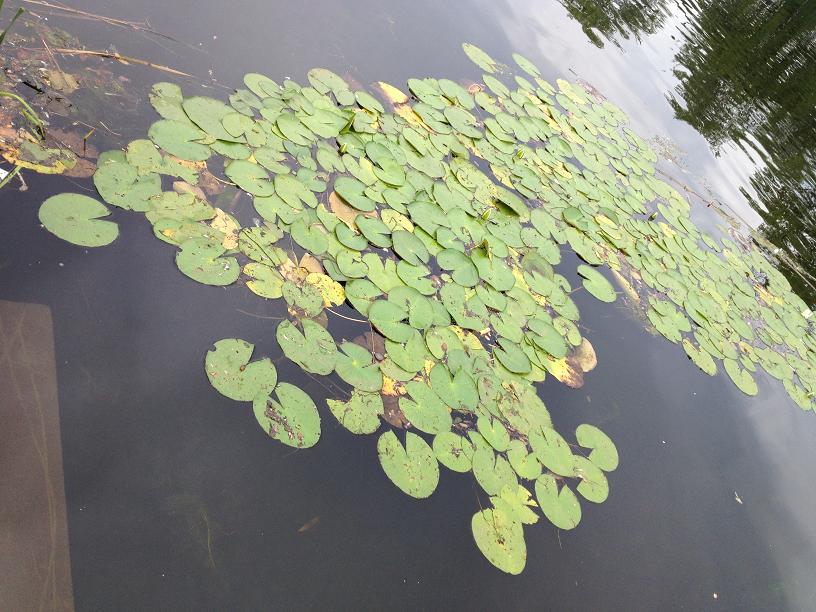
(125, 59)
(122, 23)
(10, 176)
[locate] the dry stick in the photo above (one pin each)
(123, 59)
(135, 25)
(257, 316)
(10, 176)
(342, 316)
(51, 55)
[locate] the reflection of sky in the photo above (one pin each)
(636, 77)
(787, 521)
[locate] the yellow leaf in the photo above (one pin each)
(226, 224)
(310, 263)
(406, 112)
(330, 289)
(628, 289)
(583, 357)
(292, 272)
(395, 220)
(344, 212)
(564, 372)
(391, 93)
(391, 387)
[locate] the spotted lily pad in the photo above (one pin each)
(202, 261)
(361, 414)
(453, 451)
(292, 418)
(313, 349)
(232, 374)
(500, 539)
(413, 468)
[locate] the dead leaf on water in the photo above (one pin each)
(392, 94)
(309, 524)
(226, 224)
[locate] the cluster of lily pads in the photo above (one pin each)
(439, 217)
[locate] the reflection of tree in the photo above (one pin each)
(614, 19)
(748, 77)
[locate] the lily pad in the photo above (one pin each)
(202, 260)
(232, 374)
(354, 365)
(292, 418)
(413, 468)
(561, 508)
(596, 284)
(313, 349)
(500, 539)
(78, 219)
(361, 414)
(453, 451)
(553, 451)
(120, 184)
(741, 377)
(425, 410)
(480, 58)
(604, 453)
(180, 138)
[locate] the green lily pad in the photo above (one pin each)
(354, 365)
(313, 350)
(492, 471)
(561, 508)
(553, 451)
(387, 317)
(207, 114)
(596, 284)
(292, 418)
(120, 184)
(453, 451)
(493, 431)
(741, 377)
(264, 280)
(516, 502)
(180, 139)
(525, 464)
(229, 370)
(480, 58)
(526, 65)
(202, 261)
(425, 410)
(412, 468)
(604, 453)
(458, 390)
(593, 487)
(361, 414)
(250, 177)
(409, 247)
(462, 269)
(77, 219)
(500, 539)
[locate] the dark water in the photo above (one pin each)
(177, 500)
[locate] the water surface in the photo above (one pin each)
(177, 500)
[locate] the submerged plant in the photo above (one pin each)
(441, 221)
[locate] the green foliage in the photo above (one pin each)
(440, 220)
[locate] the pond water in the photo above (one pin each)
(175, 498)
